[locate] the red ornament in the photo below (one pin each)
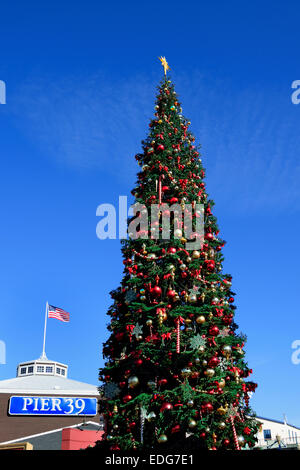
(114, 447)
(213, 362)
(214, 330)
(195, 375)
(247, 431)
(173, 200)
(156, 291)
(209, 236)
(227, 319)
(171, 294)
(119, 336)
(210, 264)
(207, 407)
(166, 407)
(175, 429)
(132, 425)
(162, 382)
(127, 398)
(226, 442)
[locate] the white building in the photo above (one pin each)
(44, 408)
(277, 434)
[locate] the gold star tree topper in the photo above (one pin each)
(165, 64)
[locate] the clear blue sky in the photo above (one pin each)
(81, 81)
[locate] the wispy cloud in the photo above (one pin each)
(250, 143)
(94, 123)
(249, 137)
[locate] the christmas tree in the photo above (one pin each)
(175, 370)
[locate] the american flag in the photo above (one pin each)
(58, 313)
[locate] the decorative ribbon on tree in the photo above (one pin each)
(129, 328)
(178, 321)
(142, 418)
(160, 312)
(159, 190)
(232, 414)
(236, 443)
(165, 336)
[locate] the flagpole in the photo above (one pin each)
(45, 327)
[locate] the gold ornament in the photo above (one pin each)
(222, 383)
(200, 320)
(151, 384)
(196, 254)
(177, 232)
(162, 438)
(226, 350)
(192, 423)
(186, 372)
(209, 372)
(151, 416)
(192, 298)
(221, 411)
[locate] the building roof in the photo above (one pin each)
(41, 359)
(47, 384)
(53, 381)
(276, 421)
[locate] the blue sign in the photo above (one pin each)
(52, 406)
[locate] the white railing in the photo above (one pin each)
(284, 442)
